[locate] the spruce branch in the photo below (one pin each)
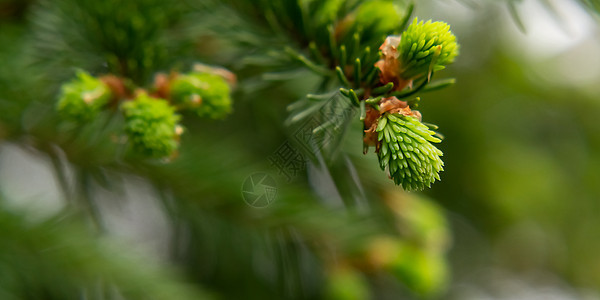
(131, 39)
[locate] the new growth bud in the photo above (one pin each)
(426, 47)
(376, 19)
(405, 151)
(82, 98)
(152, 126)
(380, 17)
(422, 49)
(205, 93)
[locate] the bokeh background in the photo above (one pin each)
(522, 138)
(520, 193)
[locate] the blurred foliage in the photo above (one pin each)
(59, 259)
(519, 193)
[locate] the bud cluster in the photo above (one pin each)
(151, 122)
(404, 144)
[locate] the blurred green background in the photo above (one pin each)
(520, 191)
